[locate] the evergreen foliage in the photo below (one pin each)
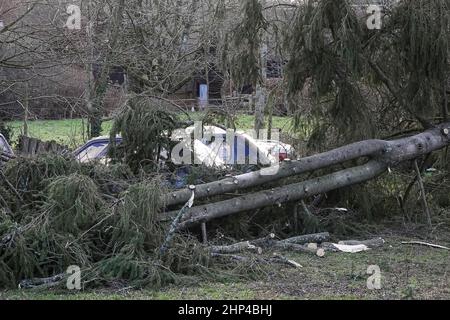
(247, 40)
(345, 66)
(146, 128)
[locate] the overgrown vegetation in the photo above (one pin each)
(361, 84)
(146, 129)
(366, 83)
(57, 212)
(116, 238)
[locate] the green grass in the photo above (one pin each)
(408, 272)
(208, 291)
(72, 132)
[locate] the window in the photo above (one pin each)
(4, 146)
(94, 151)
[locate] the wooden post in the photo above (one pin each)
(26, 109)
(426, 208)
(204, 233)
(296, 217)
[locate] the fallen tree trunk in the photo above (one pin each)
(284, 194)
(286, 246)
(391, 153)
(286, 169)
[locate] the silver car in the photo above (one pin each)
(6, 152)
(211, 153)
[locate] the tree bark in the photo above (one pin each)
(284, 194)
(100, 86)
(236, 248)
(309, 238)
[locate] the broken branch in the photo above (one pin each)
(236, 248)
(420, 243)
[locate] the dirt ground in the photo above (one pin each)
(407, 272)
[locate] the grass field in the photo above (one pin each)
(72, 132)
(407, 272)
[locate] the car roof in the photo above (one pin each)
(103, 138)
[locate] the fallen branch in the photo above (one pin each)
(292, 247)
(296, 244)
(329, 247)
(176, 221)
(283, 260)
(353, 246)
(236, 248)
(42, 283)
(420, 243)
(264, 242)
(309, 238)
(278, 259)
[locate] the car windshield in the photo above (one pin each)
(94, 151)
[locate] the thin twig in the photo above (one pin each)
(420, 243)
(11, 186)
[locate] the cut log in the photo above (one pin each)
(320, 252)
(389, 152)
(264, 242)
(309, 238)
(270, 243)
(236, 248)
(286, 246)
(43, 282)
(329, 247)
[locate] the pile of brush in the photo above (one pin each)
(55, 213)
